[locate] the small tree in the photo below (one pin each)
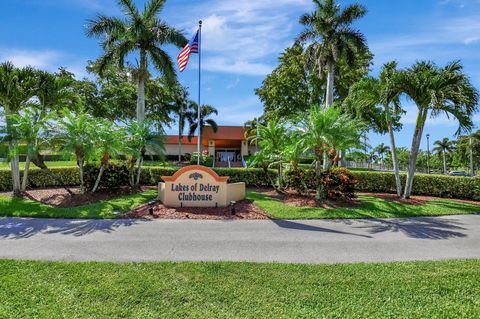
(272, 139)
(109, 141)
(325, 131)
(139, 139)
(75, 133)
(443, 147)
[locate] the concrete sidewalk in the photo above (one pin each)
(315, 241)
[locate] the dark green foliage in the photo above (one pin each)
(423, 184)
(367, 181)
(113, 176)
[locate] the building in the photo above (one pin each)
(228, 144)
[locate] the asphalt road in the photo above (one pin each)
(316, 241)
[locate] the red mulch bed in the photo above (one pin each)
(292, 198)
(59, 197)
(243, 210)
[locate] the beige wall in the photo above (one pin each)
(235, 192)
(172, 149)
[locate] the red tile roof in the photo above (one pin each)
(236, 133)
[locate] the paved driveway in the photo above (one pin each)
(316, 241)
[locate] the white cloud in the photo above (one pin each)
(49, 60)
(239, 36)
(43, 59)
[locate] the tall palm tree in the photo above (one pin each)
(205, 112)
(251, 130)
(437, 91)
(185, 110)
(333, 38)
(142, 32)
(325, 131)
(16, 89)
(377, 101)
(443, 147)
(381, 150)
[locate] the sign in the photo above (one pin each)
(198, 186)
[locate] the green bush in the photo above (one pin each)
(39, 179)
(113, 176)
(423, 184)
(432, 185)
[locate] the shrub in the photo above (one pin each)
(423, 184)
(113, 176)
(339, 183)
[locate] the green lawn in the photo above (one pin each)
(15, 207)
(447, 289)
(6, 166)
(371, 207)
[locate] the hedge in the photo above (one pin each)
(423, 184)
(150, 176)
(368, 181)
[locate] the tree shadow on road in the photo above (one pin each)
(417, 227)
(300, 226)
(16, 228)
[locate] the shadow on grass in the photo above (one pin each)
(16, 228)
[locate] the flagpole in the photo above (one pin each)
(199, 142)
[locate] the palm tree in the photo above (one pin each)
(75, 133)
(140, 139)
(443, 147)
(109, 141)
(435, 91)
(205, 112)
(251, 130)
(329, 28)
(142, 32)
(381, 150)
(325, 131)
(185, 110)
(272, 139)
(16, 88)
(377, 101)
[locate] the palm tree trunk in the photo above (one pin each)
(38, 161)
(417, 137)
(141, 88)
(139, 171)
(25, 173)
(444, 163)
(99, 177)
(396, 169)
(15, 167)
(80, 167)
(330, 80)
(320, 191)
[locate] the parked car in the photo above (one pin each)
(457, 173)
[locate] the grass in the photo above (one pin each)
(6, 166)
(15, 207)
(446, 289)
(371, 207)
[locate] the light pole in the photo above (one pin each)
(428, 153)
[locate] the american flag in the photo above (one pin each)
(191, 47)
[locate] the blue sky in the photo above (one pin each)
(243, 39)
